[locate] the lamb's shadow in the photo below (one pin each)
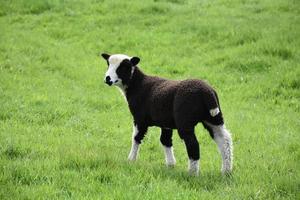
(207, 181)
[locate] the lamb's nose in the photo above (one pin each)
(107, 80)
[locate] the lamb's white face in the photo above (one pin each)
(120, 69)
(114, 62)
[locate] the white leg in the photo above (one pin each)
(169, 155)
(223, 139)
(134, 147)
(193, 167)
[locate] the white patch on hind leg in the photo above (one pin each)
(169, 155)
(223, 139)
(194, 167)
(214, 112)
(226, 150)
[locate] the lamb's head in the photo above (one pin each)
(120, 69)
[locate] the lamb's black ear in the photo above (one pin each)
(135, 60)
(105, 56)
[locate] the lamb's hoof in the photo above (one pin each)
(194, 167)
(194, 172)
(131, 158)
(171, 164)
(226, 172)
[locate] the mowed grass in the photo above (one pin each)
(65, 134)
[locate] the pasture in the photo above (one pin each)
(64, 134)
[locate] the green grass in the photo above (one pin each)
(64, 134)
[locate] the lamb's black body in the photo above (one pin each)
(169, 104)
(155, 101)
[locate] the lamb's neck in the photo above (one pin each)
(135, 83)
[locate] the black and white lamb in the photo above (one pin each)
(169, 104)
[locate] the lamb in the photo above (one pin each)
(169, 104)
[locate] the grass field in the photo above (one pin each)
(65, 134)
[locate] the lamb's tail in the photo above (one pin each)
(212, 103)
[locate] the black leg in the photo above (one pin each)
(192, 146)
(209, 129)
(166, 137)
(193, 150)
(140, 133)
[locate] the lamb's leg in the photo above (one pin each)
(166, 141)
(137, 136)
(192, 146)
(223, 139)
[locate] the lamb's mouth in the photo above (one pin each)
(109, 83)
